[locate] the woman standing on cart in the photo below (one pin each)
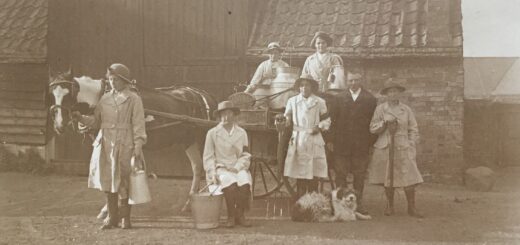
(396, 127)
(226, 161)
(320, 65)
(306, 160)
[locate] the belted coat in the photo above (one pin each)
(405, 169)
(120, 119)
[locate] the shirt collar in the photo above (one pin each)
(221, 128)
(358, 91)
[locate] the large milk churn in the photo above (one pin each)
(284, 81)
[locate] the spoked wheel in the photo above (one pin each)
(266, 178)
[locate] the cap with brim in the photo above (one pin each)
(392, 83)
(121, 71)
(226, 105)
(323, 36)
(273, 46)
(315, 84)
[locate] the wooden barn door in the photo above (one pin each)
(510, 135)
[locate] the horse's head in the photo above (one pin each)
(63, 90)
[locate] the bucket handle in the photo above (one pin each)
(206, 187)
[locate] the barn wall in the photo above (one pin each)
(188, 42)
(197, 43)
(22, 107)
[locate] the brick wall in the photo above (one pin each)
(435, 88)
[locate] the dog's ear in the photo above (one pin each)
(341, 193)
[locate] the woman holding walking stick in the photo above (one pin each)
(393, 164)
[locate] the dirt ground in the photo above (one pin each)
(61, 210)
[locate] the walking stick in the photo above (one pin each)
(392, 128)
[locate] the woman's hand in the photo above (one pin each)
(232, 170)
(76, 115)
(315, 130)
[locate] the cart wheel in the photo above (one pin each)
(266, 179)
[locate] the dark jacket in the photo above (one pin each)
(350, 128)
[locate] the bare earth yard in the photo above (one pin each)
(61, 210)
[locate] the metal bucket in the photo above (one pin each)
(205, 209)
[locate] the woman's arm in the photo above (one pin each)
(208, 156)
(257, 78)
(244, 160)
(138, 123)
(377, 124)
(93, 121)
(413, 129)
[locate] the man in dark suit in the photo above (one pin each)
(351, 115)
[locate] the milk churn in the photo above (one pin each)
(339, 82)
(284, 81)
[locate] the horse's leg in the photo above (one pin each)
(195, 158)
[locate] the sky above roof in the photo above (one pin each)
(491, 28)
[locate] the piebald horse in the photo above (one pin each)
(69, 93)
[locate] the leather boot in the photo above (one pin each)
(312, 185)
(389, 193)
(230, 194)
(113, 212)
(125, 213)
(244, 193)
(359, 185)
(410, 198)
(301, 188)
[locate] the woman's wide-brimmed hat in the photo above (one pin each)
(121, 71)
(314, 84)
(323, 36)
(392, 83)
(273, 46)
(226, 105)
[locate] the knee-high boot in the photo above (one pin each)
(301, 187)
(312, 185)
(244, 194)
(389, 193)
(125, 210)
(359, 186)
(410, 198)
(113, 212)
(230, 194)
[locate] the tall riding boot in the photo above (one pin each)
(301, 188)
(389, 209)
(230, 194)
(244, 194)
(410, 197)
(312, 185)
(359, 185)
(113, 212)
(125, 213)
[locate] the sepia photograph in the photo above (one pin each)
(259, 122)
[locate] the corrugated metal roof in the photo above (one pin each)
(23, 30)
(367, 27)
(482, 75)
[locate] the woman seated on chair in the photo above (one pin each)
(226, 161)
(306, 160)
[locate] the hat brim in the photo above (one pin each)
(314, 84)
(109, 72)
(270, 50)
(235, 110)
(384, 91)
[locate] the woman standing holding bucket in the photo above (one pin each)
(119, 115)
(393, 163)
(226, 161)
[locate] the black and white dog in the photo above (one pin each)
(339, 206)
